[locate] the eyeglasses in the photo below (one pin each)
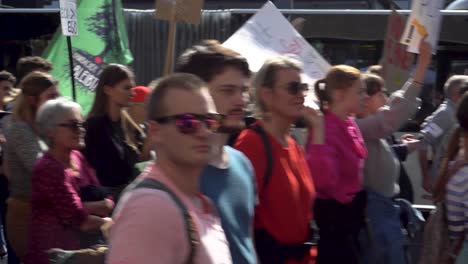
(189, 123)
(295, 87)
(75, 126)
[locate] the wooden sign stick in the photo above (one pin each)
(170, 42)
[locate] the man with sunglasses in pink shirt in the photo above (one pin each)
(163, 217)
(229, 177)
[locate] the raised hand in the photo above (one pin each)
(314, 120)
(313, 117)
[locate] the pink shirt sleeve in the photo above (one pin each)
(148, 229)
(323, 163)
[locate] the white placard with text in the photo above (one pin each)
(68, 17)
(268, 34)
(425, 19)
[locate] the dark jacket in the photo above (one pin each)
(107, 151)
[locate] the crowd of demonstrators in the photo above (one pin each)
(59, 177)
(163, 214)
(109, 148)
(199, 200)
(285, 190)
(228, 180)
(437, 128)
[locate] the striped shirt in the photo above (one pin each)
(457, 204)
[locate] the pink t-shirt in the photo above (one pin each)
(149, 228)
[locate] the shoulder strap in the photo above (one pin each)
(192, 234)
(268, 153)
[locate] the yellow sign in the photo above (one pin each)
(421, 29)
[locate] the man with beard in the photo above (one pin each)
(229, 178)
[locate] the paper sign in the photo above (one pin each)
(268, 34)
(188, 11)
(396, 60)
(425, 19)
(68, 17)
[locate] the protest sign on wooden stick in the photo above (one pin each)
(188, 11)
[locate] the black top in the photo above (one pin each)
(107, 151)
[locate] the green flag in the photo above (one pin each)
(102, 39)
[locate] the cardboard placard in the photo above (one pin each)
(396, 60)
(188, 11)
(269, 34)
(425, 19)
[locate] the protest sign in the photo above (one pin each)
(268, 34)
(68, 17)
(188, 11)
(425, 19)
(396, 60)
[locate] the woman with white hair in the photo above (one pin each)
(58, 213)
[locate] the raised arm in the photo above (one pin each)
(323, 159)
(401, 105)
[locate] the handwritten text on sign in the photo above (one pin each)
(268, 34)
(425, 19)
(68, 17)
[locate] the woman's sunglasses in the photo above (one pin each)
(296, 87)
(189, 123)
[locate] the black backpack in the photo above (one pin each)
(192, 233)
(268, 152)
(250, 124)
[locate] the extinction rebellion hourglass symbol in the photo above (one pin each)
(87, 66)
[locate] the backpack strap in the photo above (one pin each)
(192, 233)
(268, 153)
